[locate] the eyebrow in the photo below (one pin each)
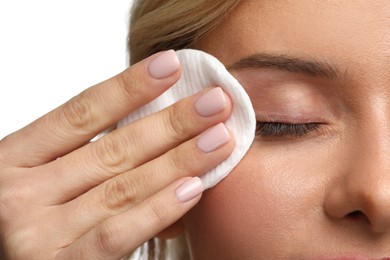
(310, 67)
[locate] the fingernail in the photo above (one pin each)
(164, 65)
(189, 190)
(211, 102)
(213, 138)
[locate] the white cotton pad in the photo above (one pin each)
(201, 70)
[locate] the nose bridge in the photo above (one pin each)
(374, 135)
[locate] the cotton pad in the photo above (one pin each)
(201, 70)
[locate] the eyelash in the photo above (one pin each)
(277, 129)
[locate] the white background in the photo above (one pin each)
(52, 50)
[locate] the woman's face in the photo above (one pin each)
(316, 182)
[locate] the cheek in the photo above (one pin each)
(271, 195)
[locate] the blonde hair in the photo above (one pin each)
(158, 25)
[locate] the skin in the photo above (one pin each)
(325, 194)
(62, 197)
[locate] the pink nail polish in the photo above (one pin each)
(211, 103)
(189, 190)
(213, 138)
(164, 65)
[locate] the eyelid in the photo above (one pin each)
(293, 118)
(280, 130)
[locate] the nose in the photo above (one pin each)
(362, 193)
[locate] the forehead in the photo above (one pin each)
(341, 30)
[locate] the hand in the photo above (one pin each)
(63, 197)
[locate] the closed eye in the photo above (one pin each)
(277, 129)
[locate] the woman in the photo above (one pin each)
(313, 185)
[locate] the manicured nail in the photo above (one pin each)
(211, 103)
(189, 190)
(164, 65)
(213, 138)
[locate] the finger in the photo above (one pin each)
(129, 189)
(84, 116)
(122, 233)
(133, 145)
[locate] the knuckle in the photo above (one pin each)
(119, 193)
(12, 199)
(23, 239)
(178, 122)
(127, 84)
(181, 166)
(111, 152)
(107, 239)
(77, 112)
(5, 205)
(159, 213)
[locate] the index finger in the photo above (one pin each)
(95, 109)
